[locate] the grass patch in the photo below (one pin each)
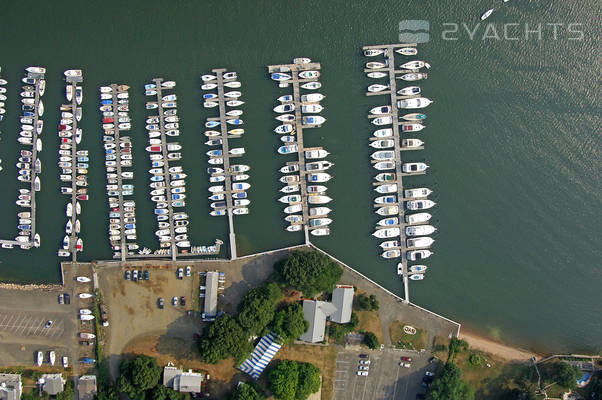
(369, 321)
(402, 340)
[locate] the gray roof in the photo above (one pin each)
(169, 373)
(342, 298)
(315, 312)
(10, 386)
(211, 285)
(53, 383)
(189, 382)
(86, 387)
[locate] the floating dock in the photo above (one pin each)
(298, 126)
(392, 72)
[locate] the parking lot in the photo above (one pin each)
(385, 380)
(30, 324)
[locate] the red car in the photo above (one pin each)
(408, 359)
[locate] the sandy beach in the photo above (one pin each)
(496, 348)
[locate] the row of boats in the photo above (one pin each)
(29, 165)
(114, 106)
(168, 183)
(305, 178)
(405, 232)
(223, 175)
(73, 163)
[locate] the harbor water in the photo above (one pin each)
(512, 140)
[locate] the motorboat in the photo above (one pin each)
(295, 208)
(301, 60)
(383, 120)
(316, 189)
(318, 199)
(313, 120)
(384, 165)
(420, 230)
(240, 177)
(373, 52)
(386, 188)
(318, 177)
(416, 277)
(412, 127)
(279, 76)
(241, 186)
(417, 218)
(309, 74)
(418, 102)
(285, 128)
(407, 51)
(311, 108)
(315, 222)
(415, 167)
(289, 168)
(294, 228)
(312, 97)
(487, 14)
(418, 269)
(414, 76)
(382, 144)
(288, 139)
(383, 155)
(319, 211)
(290, 188)
(419, 204)
(315, 154)
(388, 221)
(381, 110)
(311, 85)
(375, 88)
(417, 192)
(414, 117)
(239, 168)
(409, 91)
(388, 210)
(294, 219)
(288, 149)
(395, 253)
(382, 133)
(290, 199)
(318, 166)
(387, 233)
(39, 358)
(287, 98)
(84, 335)
(386, 200)
(284, 108)
(420, 242)
(389, 244)
(411, 143)
(320, 232)
(86, 317)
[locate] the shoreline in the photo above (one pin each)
(497, 348)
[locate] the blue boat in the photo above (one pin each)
(107, 101)
(24, 227)
(214, 153)
(389, 221)
(82, 159)
(1, 117)
(130, 226)
(240, 195)
(28, 114)
(177, 196)
(157, 164)
(210, 96)
(149, 86)
(110, 151)
(87, 360)
(114, 215)
(211, 124)
(161, 211)
(235, 121)
(157, 178)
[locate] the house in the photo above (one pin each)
(211, 285)
(317, 312)
(10, 386)
(186, 382)
(86, 387)
(52, 384)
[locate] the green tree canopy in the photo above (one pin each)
(257, 307)
(283, 379)
(222, 339)
(161, 392)
(138, 375)
(370, 340)
(450, 386)
(309, 381)
(289, 323)
(566, 375)
(247, 391)
(310, 272)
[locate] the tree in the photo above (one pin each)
(309, 381)
(370, 340)
(222, 339)
(566, 375)
(310, 272)
(289, 323)
(67, 394)
(283, 379)
(450, 386)
(161, 392)
(138, 375)
(247, 391)
(257, 307)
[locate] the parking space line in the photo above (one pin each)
(395, 386)
(39, 326)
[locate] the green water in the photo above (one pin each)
(512, 140)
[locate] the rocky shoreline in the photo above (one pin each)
(30, 287)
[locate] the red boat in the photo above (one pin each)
(66, 140)
(153, 149)
(108, 120)
(82, 197)
(62, 127)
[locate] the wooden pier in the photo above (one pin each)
(294, 69)
(398, 148)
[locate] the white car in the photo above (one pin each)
(365, 362)
(362, 373)
(404, 364)
(174, 301)
(180, 273)
(188, 270)
(429, 373)
(363, 368)
(65, 362)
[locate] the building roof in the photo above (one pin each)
(211, 284)
(342, 298)
(10, 386)
(188, 382)
(86, 387)
(169, 374)
(316, 312)
(53, 383)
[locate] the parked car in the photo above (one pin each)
(146, 275)
(48, 323)
(365, 362)
(188, 270)
(363, 355)
(128, 275)
(404, 364)
(140, 274)
(362, 373)
(160, 302)
(363, 368)
(135, 276)
(429, 373)
(67, 298)
(61, 299)
(180, 273)
(408, 359)
(182, 301)
(174, 301)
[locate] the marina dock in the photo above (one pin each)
(392, 72)
(298, 126)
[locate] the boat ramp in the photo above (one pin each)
(297, 112)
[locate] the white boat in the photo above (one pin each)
(290, 199)
(85, 317)
(309, 74)
(414, 76)
(311, 108)
(295, 208)
(318, 199)
(320, 232)
(388, 221)
(285, 117)
(411, 143)
(417, 192)
(388, 188)
(290, 188)
(418, 269)
(387, 233)
(407, 51)
(312, 97)
(417, 218)
(383, 120)
(381, 133)
(284, 108)
(287, 98)
(415, 65)
(82, 279)
(85, 311)
(388, 210)
(207, 78)
(36, 70)
(420, 242)
(318, 166)
(420, 230)
(314, 222)
(419, 204)
(301, 60)
(375, 88)
(294, 218)
(412, 127)
(373, 52)
(416, 167)
(288, 149)
(240, 211)
(39, 358)
(391, 253)
(318, 177)
(233, 84)
(383, 155)
(409, 91)
(487, 14)
(285, 128)
(314, 154)
(289, 168)
(418, 102)
(313, 120)
(381, 110)
(375, 65)
(382, 144)
(294, 228)
(384, 165)
(319, 211)
(85, 295)
(311, 85)
(414, 117)
(389, 244)
(416, 277)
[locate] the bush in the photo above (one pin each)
(310, 272)
(292, 380)
(370, 340)
(450, 386)
(290, 323)
(247, 391)
(365, 303)
(476, 359)
(222, 339)
(339, 331)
